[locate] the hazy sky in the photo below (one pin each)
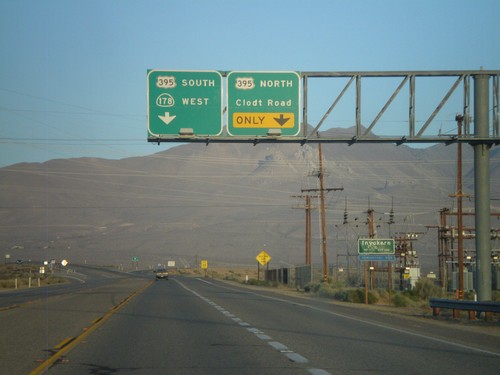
(73, 73)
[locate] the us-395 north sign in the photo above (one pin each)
(260, 102)
(184, 99)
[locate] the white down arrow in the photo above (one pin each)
(167, 119)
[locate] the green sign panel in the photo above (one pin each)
(375, 246)
(184, 100)
(260, 103)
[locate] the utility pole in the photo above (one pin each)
(446, 236)
(308, 208)
(308, 230)
(371, 227)
(459, 195)
(369, 275)
(323, 219)
(443, 250)
(322, 191)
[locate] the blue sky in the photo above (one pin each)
(73, 73)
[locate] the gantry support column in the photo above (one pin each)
(482, 189)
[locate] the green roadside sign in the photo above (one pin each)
(259, 103)
(190, 100)
(375, 246)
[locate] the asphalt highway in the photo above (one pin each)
(189, 325)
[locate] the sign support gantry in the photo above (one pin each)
(256, 91)
(173, 95)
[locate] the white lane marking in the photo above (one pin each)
(379, 325)
(76, 278)
(254, 330)
(318, 371)
(290, 354)
(279, 346)
(263, 336)
(297, 358)
(205, 281)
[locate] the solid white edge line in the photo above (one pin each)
(443, 341)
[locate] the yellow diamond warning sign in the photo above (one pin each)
(263, 258)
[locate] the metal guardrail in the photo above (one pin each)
(473, 307)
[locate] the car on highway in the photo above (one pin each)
(161, 274)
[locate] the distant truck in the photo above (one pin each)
(161, 274)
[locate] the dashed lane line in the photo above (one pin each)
(372, 323)
(278, 346)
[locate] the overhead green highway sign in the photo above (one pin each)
(184, 101)
(263, 103)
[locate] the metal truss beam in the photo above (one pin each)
(412, 135)
(365, 135)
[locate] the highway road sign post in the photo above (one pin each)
(377, 257)
(263, 103)
(184, 101)
(262, 258)
(204, 266)
(372, 250)
(375, 247)
(135, 263)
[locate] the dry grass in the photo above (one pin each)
(14, 275)
(237, 274)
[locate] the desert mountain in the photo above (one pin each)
(227, 202)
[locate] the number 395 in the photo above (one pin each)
(165, 82)
(244, 83)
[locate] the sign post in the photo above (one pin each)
(263, 103)
(204, 266)
(184, 101)
(376, 249)
(263, 258)
(135, 260)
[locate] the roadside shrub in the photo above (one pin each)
(232, 277)
(401, 300)
(383, 295)
(338, 284)
(372, 297)
(353, 295)
(315, 288)
(262, 282)
(341, 295)
(352, 280)
(54, 280)
(7, 284)
(312, 288)
(326, 291)
(357, 296)
(426, 289)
